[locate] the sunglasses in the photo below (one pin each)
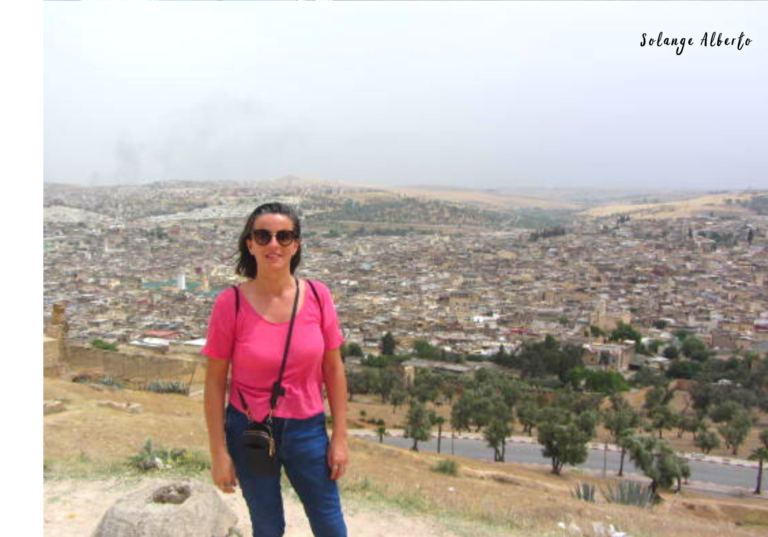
(285, 237)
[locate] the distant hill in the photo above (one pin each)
(725, 203)
(495, 199)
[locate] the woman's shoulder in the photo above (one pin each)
(227, 297)
(321, 288)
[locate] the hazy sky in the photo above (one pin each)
(472, 94)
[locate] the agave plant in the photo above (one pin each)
(629, 493)
(584, 491)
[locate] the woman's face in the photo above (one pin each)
(273, 256)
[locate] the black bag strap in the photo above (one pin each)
(320, 304)
(277, 388)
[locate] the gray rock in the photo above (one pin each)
(53, 406)
(131, 408)
(170, 509)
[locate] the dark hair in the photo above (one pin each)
(246, 263)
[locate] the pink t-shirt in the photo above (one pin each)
(256, 346)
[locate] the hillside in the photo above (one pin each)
(384, 490)
(720, 204)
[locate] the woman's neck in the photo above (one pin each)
(274, 284)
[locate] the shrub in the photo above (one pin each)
(173, 386)
(446, 467)
(150, 458)
(109, 380)
(629, 493)
(584, 491)
(101, 344)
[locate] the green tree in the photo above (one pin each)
(653, 346)
(397, 397)
(417, 424)
(607, 382)
(683, 369)
(670, 352)
(562, 440)
(687, 424)
(621, 421)
(660, 324)
(423, 349)
(624, 332)
(528, 415)
(461, 414)
(587, 421)
(735, 431)
(388, 380)
(661, 418)
(388, 344)
(657, 460)
(706, 441)
(496, 434)
(356, 383)
(760, 454)
(426, 385)
(354, 349)
(695, 349)
(596, 331)
(725, 411)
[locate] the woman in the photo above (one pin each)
(248, 329)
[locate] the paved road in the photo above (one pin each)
(701, 472)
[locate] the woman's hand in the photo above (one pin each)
(337, 456)
(223, 473)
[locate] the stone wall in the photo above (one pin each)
(133, 369)
(51, 356)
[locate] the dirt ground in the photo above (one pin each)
(73, 508)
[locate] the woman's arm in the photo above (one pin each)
(222, 469)
(336, 386)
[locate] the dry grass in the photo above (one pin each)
(528, 500)
(484, 499)
(673, 209)
(498, 200)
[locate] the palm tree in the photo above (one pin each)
(760, 454)
(439, 421)
(381, 430)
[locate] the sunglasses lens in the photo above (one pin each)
(261, 236)
(285, 237)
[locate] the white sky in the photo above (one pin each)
(470, 94)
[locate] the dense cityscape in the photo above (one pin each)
(143, 265)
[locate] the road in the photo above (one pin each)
(702, 473)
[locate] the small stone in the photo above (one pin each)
(131, 408)
(53, 406)
(573, 529)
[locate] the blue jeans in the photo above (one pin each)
(302, 447)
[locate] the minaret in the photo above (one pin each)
(182, 280)
(206, 284)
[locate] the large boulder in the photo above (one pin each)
(169, 509)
